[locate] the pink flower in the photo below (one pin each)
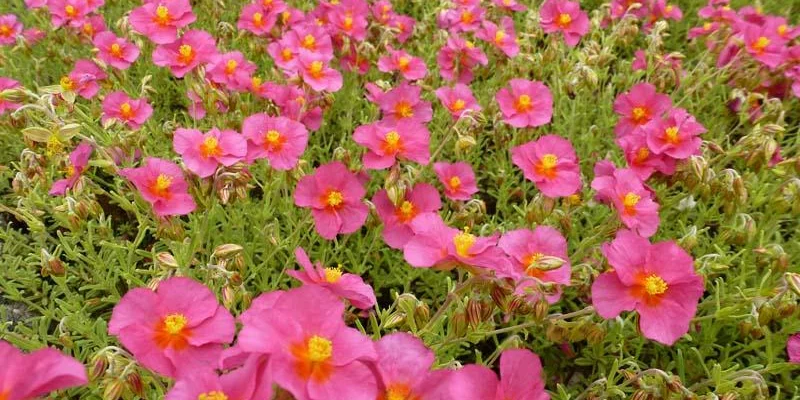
(253, 380)
(411, 68)
(256, 19)
(203, 153)
(312, 39)
(464, 19)
(131, 112)
(10, 29)
(677, 135)
(421, 198)
(404, 103)
(67, 12)
(510, 5)
(7, 84)
(91, 26)
(33, 35)
(525, 103)
(279, 139)
(639, 60)
(641, 159)
(345, 286)
(32, 4)
(230, 69)
(520, 379)
(388, 142)
(30, 376)
(765, 46)
(639, 106)
(503, 37)
(317, 73)
(566, 17)
(160, 20)
(78, 160)
(435, 244)
(458, 180)
(403, 368)
(530, 251)
(404, 26)
(334, 195)
(313, 354)
(781, 27)
(114, 51)
(177, 329)
(793, 348)
(296, 104)
(83, 79)
(704, 30)
(161, 183)
(349, 18)
(458, 100)
(656, 280)
(551, 164)
(187, 53)
(634, 202)
(457, 59)
(284, 52)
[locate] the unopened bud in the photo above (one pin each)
(394, 320)
(458, 325)
(225, 251)
(165, 259)
(422, 314)
(135, 383)
(114, 389)
(474, 313)
(540, 309)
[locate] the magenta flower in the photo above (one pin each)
(33, 4)
(525, 103)
(349, 18)
(520, 379)
(253, 380)
(115, 51)
(187, 53)
(10, 29)
(510, 5)
(404, 103)
(230, 69)
(285, 51)
(279, 139)
(793, 348)
(458, 180)
(457, 59)
(161, 183)
(638, 107)
(634, 202)
(388, 142)
(176, 330)
(318, 74)
(7, 84)
(91, 26)
(296, 104)
(131, 112)
(527, 251)
(78, 161)
(704, 30)
(677, 135)
(31, 376)
(160, 20)
(464, 19)
(641, 159)
(33, 35)
(458, 100)
(313, 354)
(404, 26)
(551, 164)
(67, 12)
(409, 67)
(504, 37)
(203, 153)
(656, 280)
(83, 79)
(313, 40)
(334, 195)
(346, 286)
(421, 198)
(765, 46)
(403, 368)
(255, 19)
(566, 17)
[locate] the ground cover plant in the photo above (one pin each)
(399, 200)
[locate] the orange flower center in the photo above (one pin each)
(88, 29)
(309, 43)
(70, 11)
(274, 141)
(403, 109)
(348, 22)
(67, 83)
(255, 83)
(406, 212)
(532, 265)
(160, 188)
(707, 26)
(642, 155)
(641, 115)
(315, 69)
(212, 395)
(5, 30)
(564, 20)
(185, 54)
(523, 103)
(126, 111)
(392, 143)
(162, 16)
(467, 17)
(210, 147)
(454, 183)
(115, 50)
(668, 9)
(258, 19)
(654, 285)
(402, 63)
(312, 358)
(671, 135)
(499, 37)
(172, 332)
(70, 173)
(629, 202)
(398, 391)
(458, 105)
(782, 29)
(649, 288)
(334, 199)
(286, 54)
(547, 166)
(761, 44)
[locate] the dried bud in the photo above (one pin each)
(228, 296)
(595, 334)
(556, 333)
(540, 309)
(674, 385)
(474, 313)
(786, 310)
(766, 314)
(422, 314)
(458, 325)
(65, 340)
(641, 395)
(500, 297)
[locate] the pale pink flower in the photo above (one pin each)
(346, 286)
(530, 251)
(230, 69)
(409, 67)
(458, 179)
(115, 51)
(504, 37)
(279, 139)
(566, 17)
(387, 142)
(633, 201)
(419, 199)
(131, 112)
(677, 135)
(525, 103)
(458, 100)
(255, 19)
(317, 73)
(639, 106)
(204, 153)
(404, 103)
(161, 183)
(551, 164)
(187, 53)
(160, 20)
(67, 12)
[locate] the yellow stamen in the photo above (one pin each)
(319, 349)
(392, 142)
(761, 44)
(523, 103)
(5, 30)
(499, 37)
(402, 63)
(564, 20)
(547, 166)
(162, 16)
(406, 211)
(230, 66)
(212, 395)
(258, 19)
(115, 50)
(334, 199)
(671, 135)
(286, 54)
(642, 155)
(210, 147)
(332, 275)
(256, 82)
(348, 23)
(174, 323)
(707, 26)
(185, 54)
(126, 111)
(403, 110)
(67, 84)
(315, 69)
(782, 29)
(162, 184)
(463, 242)
(458, 105)
(454, 182)
(654, 285)
(629, 202)
(309, 43)
(70, 11)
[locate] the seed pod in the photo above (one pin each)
(641, 395)
(474, 313)
(540, 309)
(422, 314)
(766, 314)
(458, 325)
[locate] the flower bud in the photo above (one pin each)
(394, 320)
(793, 282)
(540, 309)
(99, 367)
(226, 251)
(114, 389)
(135, 383)
(166, 260)
(422, 314)
(458, 325)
